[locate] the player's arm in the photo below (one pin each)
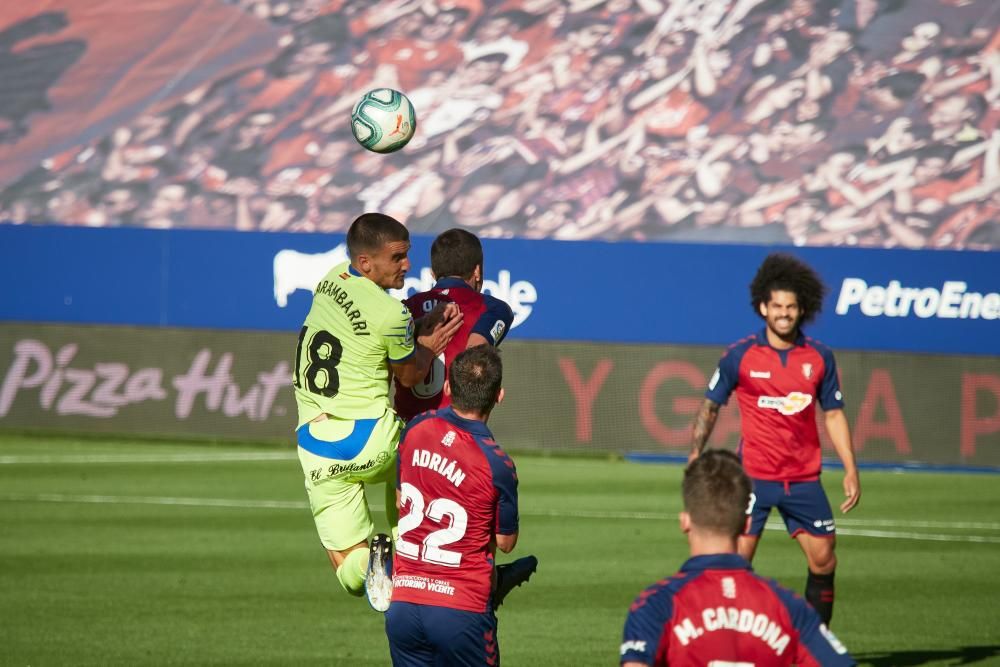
(506, 543)
(832, 401)
(507, 521)
(492, 326)
(704, 423)
(840, 436)
(475, 340)
(719, 388)
(432, 338)
(646, 627)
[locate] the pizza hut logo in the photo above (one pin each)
(807, 370)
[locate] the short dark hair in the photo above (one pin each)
(717, 492)
(370, 231)
(788, 274)
(476, 375)
(456, 252)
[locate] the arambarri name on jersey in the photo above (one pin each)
(351, 318)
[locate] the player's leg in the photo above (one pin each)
(332, 453)
(408, 643)
(765, 496)
(809, 519)
(381, 447)
(462, 638)
(343, 523)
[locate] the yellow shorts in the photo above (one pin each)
(339, 457)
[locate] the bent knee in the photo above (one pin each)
(824, 561)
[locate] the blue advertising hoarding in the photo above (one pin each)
(893, 300)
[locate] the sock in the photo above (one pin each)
(819, 593)
(352, 571)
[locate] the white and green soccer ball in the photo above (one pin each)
(383, 120)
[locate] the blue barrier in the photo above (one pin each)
(892, 300)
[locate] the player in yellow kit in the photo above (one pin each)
(355, 337)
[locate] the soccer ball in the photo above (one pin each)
(383, 120)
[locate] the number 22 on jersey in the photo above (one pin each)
(442, 511)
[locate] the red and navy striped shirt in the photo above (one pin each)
(717, 611)
(483, 314)
(777, 392)
(457, 489)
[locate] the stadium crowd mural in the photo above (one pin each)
(811, 122)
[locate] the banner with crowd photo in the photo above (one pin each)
(802, 122)
(561, 397)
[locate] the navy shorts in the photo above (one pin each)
(427, 636)
(802, 505)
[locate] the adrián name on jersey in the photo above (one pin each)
(439, 464)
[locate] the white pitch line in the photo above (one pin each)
(302, 505)
(986, 539)
(155, 500)
(890, 523)
(192, 457)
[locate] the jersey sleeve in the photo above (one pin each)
(817, 647)
(505, 483)
(726, 376)
(829, 394)
(494, 324)
(644, 626)
(397, 332)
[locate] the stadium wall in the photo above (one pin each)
(562, 396)
(183, 333)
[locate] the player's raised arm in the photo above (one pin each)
(432, 339)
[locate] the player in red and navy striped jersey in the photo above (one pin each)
(779, 375)
(716, 611)
(457, 492)
(457, 263)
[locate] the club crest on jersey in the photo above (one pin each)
(807, 370)
(729, 588)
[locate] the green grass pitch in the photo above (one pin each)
(139, 553)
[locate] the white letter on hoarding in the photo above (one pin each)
(25, 352)
(951, 296)
(851, 292)
(991, 306)
(926, 304)
(873, 303)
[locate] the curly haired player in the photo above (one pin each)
(779, 375)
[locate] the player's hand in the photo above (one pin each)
(852, 492)
(693, 455)
(441, 313)
(436, 338)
